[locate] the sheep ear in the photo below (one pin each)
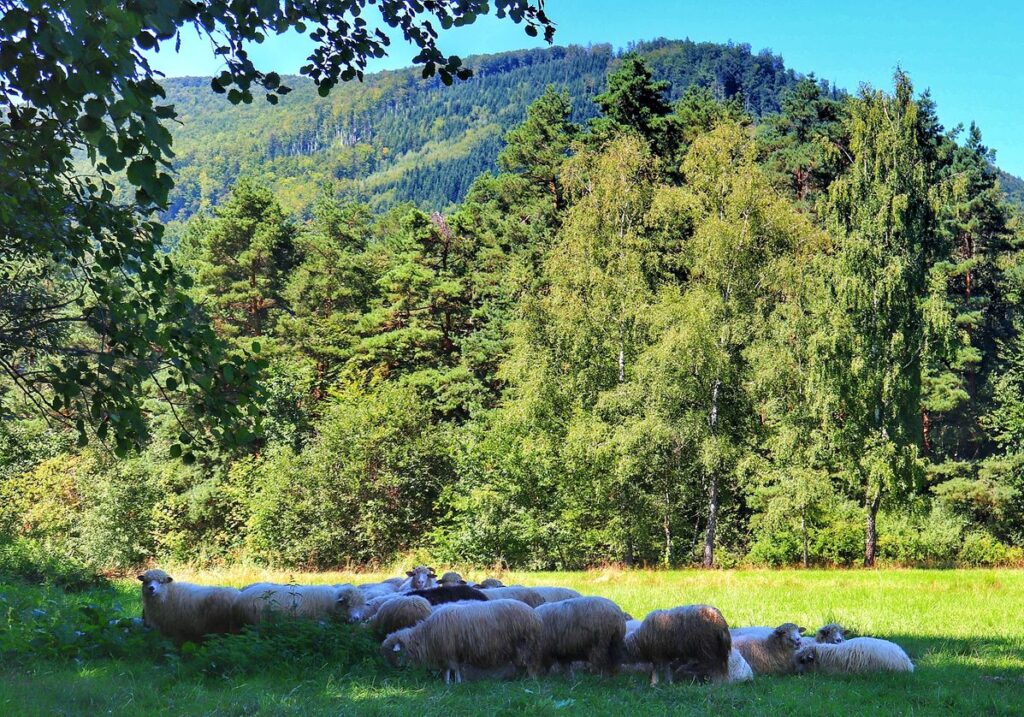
(397, 647)
(802, 630)
(463, 582)
(169, 579)
(142, 578)
(410, 573)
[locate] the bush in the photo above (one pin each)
(55, 628)
(920, 538)
(982, 549)
(283, 643)
(30, 561)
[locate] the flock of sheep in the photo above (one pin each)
(470, 631)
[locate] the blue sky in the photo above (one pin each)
(968, 54)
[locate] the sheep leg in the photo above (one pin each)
(654, 675)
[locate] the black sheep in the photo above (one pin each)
(449, 593)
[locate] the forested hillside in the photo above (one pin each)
(671, 327)
(397, 137)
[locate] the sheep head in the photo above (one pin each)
(789, 634)
(350, 602)
(395, 648)
(805, 658)
(451, 578)
(832, 634)
(423, 577)
(154, 583)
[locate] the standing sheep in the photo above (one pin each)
(771, 654)
(344, 602)
(697, 636)
(399, 613)
(583, 628)
(484, 635)
(185, 611)
(451, 593)
(526, 595)
(860, 654)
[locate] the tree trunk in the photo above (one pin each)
(622, 353)
(803, 528)
(667, 527)
(709, 534)
(871, 531)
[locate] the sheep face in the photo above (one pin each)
(832, 634)
(350, 603)
(804, 659)
(422, 577)
(154, 584)
(395, 650)
(789, 633)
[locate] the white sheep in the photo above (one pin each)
(185, 611)
(381, 589)
(739, 668)
(555, 594)
(859, 654)
(343, 602)
(419, 578)
(400, 612)
(516, 592)
(483, 634)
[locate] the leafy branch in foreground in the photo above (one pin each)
(94, 318)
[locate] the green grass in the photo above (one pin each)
(963, 629)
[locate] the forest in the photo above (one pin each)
(692, 317)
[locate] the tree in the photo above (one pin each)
(74, 79)
(242, 257)
(634, 102)
(539, 146)
(872, 326)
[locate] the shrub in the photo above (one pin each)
(982, 549)
(283, 643)
(33, 562)
(920, 538)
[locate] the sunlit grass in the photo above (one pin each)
(963, 629)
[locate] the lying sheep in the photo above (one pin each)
(555, 594)
(419, 578)
(694, 636)
(831, 634)
(490, 583)
(184, 611)
(399, 613)
(484, 635)
(343, 602)
(451, 593)
(859, 654)
(526, 595)
(374, 604)
(583, 628)
(385, 588)
(771, 654)
(739, 668)
(451, 578)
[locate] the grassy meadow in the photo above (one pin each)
(963, 629)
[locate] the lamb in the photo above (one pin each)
(772, 654)
(451, 593)
(399, 613)
(695, 635)
(739, 668)
(556, 594)
(451, 578)
(526, 595)
(490, 583)
(583, 628)
(484, 635)
(859, 654)
(184, 611)
(419, 578)
(344, 602)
